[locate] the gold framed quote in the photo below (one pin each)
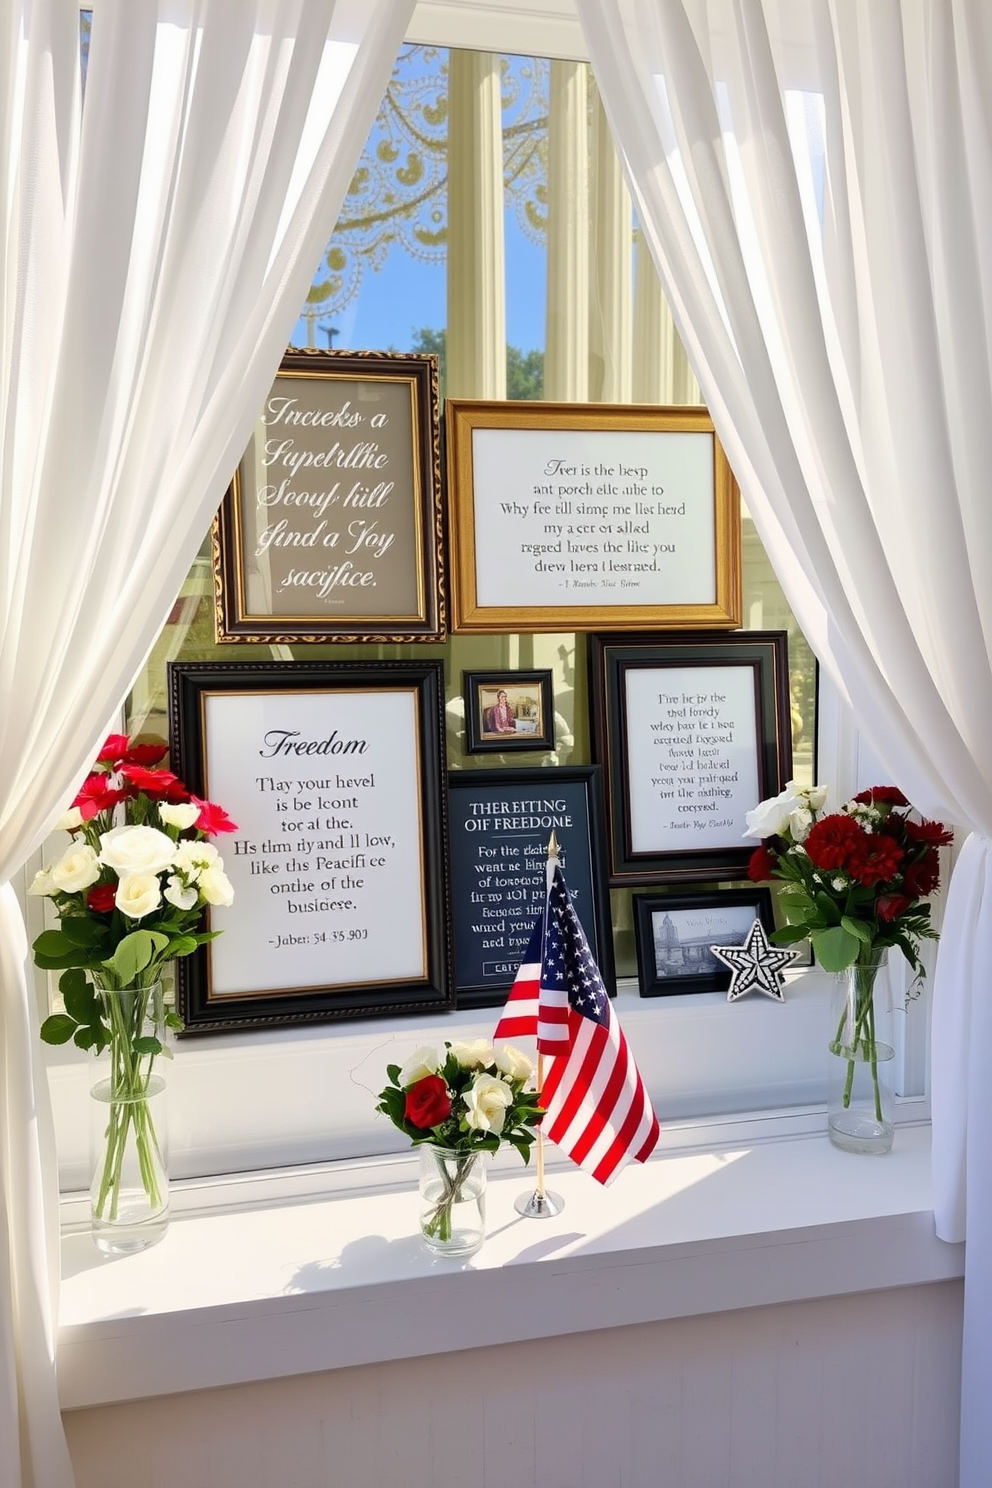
(578, 517)
(331, 529)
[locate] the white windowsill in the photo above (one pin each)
(325, 1270)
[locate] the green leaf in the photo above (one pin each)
(827, 908)
(134, 953)
(52, 943)
(81, 1003)
(858, 929)
(58, 1029)
(182, 945)
(393, 1072)
(835, 948)
(81, 931)
(147, 1044)
(789, 935)
(71, 979)
(795, 907)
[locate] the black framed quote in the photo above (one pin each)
(500, 824)
(334, 775)
(692, 732)
(331, 529)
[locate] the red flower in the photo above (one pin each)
(114, 748)
(834, 841)
(761, 864)
(427, 1103)
(95, 795)
(152, 782)
(146, 754)
(877, 860)
(920, 879)
(891, 906)
(175, 792)
(212, 819)
(881, 795)
(932, 832)
(101, 898)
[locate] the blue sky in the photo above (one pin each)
(407, 293)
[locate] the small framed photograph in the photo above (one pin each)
(501, 822)
(692, 731)
(508, 711)
(332, 527)
(567, 516)
(334, 774)
(674, 933)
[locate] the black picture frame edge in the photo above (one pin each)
(185, 681)
(534, 743)
(649, 984)
(774, 763)
(592, 776)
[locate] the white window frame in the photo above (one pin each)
(288, 1102)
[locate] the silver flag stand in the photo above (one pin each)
(542, 1204)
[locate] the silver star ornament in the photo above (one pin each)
(755, 965)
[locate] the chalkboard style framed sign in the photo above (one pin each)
(692, 733)
(334, 774)
(501, 821)
(332, 527)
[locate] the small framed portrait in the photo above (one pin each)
(674, 933)
(508, 711)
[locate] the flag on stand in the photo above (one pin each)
(598, 1111)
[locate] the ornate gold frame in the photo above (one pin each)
(464, 417)
(347, 373)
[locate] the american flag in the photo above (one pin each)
(598, 1111)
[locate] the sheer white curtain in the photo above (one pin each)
(815, 179)
(158, 242)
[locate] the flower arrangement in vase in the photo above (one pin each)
(458, 1105)
(130, 892)
(857, 882)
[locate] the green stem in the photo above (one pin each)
(857, 1031)
(127, 1012)
(437, 1223)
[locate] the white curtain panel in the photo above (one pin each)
(814, 178)
(159, 237)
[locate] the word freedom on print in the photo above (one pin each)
(516, 816)
(288, 741)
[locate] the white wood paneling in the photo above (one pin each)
(849, 1392)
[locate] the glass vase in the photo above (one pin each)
(860, 1076)
(129, 1194)
(452, 1199)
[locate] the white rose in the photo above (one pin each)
(799, 825)
(137, 895)
(471, 1055)
(42, 882)
(422, 1062)
(77, 869)
(514, 1064)
(771, 818)
(215, 886)
(180, 897)
(486, 1103)
(192, 857)
(181, 815)
(816, 795)
(136, 850)
(69, 820)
